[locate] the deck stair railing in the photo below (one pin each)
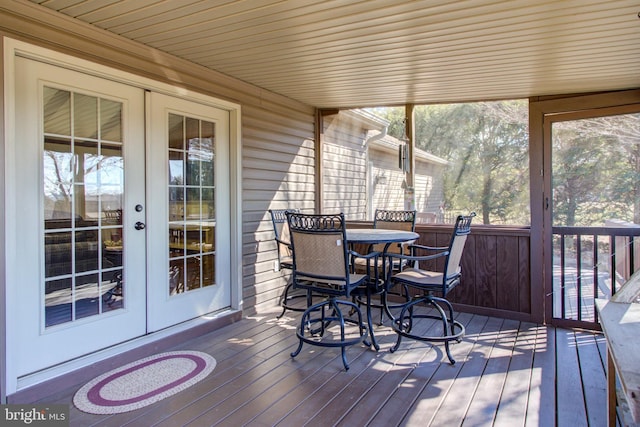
(590, 263)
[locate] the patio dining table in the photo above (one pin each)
(372, 236)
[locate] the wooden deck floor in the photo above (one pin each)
(508, 373)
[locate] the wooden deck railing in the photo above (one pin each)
(590, 263)
(496, 270)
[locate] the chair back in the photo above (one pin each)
(319, 250)
(282, 235)
(393, 220)
(461, 230)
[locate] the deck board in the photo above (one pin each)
(505, 374)
(483, 407)
(453, 409)
(393, 369)
(435, 392)
(512, 411)
(571, 411)
(542, 389)
(591, 368)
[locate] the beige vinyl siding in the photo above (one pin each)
(389, 194)
(344, 167)
(277, 132)
(428, 186)
(278, 173)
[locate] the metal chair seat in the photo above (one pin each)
(424, 279)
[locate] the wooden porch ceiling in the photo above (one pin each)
(353, 53)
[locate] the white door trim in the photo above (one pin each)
(9, 382)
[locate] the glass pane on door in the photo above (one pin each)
(191, 190)
(83, 186)
(595, 187)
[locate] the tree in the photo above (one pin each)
(596, 170)
(486, 145)
(595, 161)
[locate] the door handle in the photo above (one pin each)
(139, 225)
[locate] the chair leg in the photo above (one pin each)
(286, 298)
(374, 343)
(445, 327)
(343, 351)
(401, 327)
(452, 330)
(297, 351)
(324, 313)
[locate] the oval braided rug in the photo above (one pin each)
(143, 382)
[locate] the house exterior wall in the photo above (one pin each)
(278, 173)
(361, 172)
(344, 166)
(388, 193)
(428, 187)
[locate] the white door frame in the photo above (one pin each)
(9, 382)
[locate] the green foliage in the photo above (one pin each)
(595, 162)
(486, 144)
(596, 170)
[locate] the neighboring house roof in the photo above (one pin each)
(391, 144)
(377, 135)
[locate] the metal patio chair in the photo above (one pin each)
(425, 284)
(321, 267)
(285, 259)
(392, 220)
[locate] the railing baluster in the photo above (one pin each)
(628, 249)
(612, 269)
(596, 281)
(563, 277)
(631, 256)
(579, 274)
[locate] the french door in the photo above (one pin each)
(190, 220)
(117, 224)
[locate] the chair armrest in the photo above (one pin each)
(282, 242)
(375, 282)
(417, 257)
(428, 248)
(370, 255)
